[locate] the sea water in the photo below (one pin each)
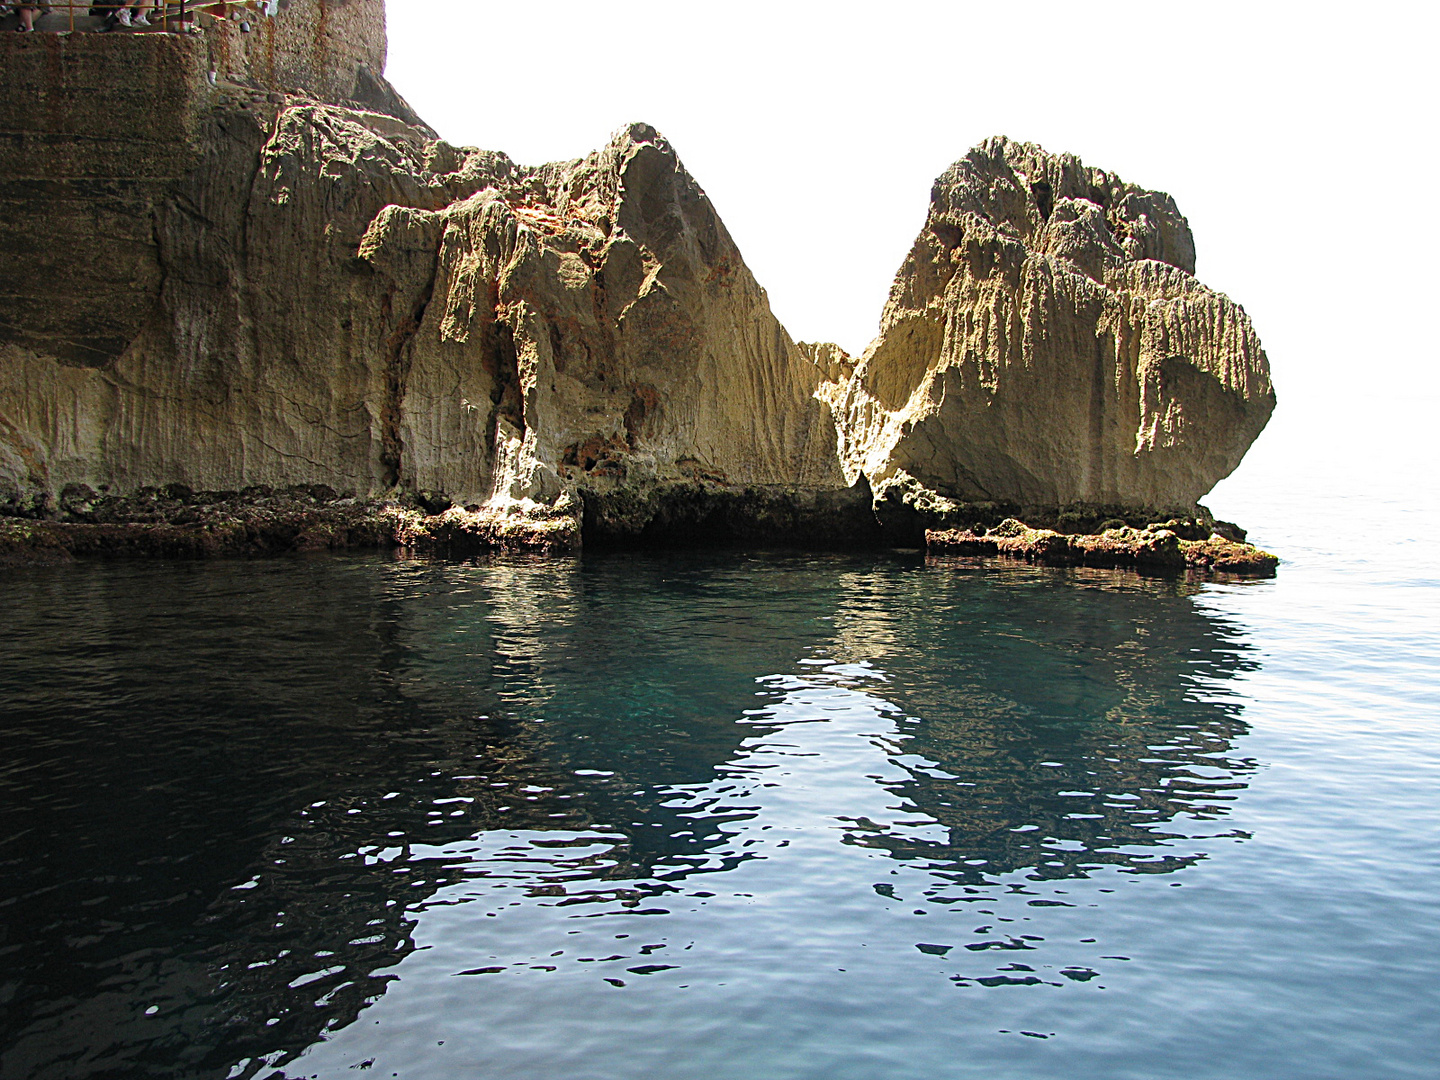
(721, 815)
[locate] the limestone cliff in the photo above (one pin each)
(586, 334)
(329, 295)
(279, 277)
(1046, 344)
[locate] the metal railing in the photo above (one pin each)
(167, 16)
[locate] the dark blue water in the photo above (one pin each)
(719, 816)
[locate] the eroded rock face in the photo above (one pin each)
(1046, 344)
(290, 292)
(336, 297)
(591, 328)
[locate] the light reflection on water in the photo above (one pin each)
(702, 815)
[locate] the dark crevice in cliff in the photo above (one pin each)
(257, 132)
(1099, 383)
(1044, 198)
(640, 413)
(200, 234)
(506, 395)
(398, 357)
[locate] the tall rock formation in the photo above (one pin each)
(269, 272)
(586, 334)
(329, 295)
(1046, 344)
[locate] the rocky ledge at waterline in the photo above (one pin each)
(179, 523)
(1169, 546)
(483, 354)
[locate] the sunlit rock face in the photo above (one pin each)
(1046, 343)
(339, 298)
(251, 288)
(587, 333)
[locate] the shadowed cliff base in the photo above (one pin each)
(294, 284)
(176, 522)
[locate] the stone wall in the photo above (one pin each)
(317, 47)
(93, 129)
(118, 151)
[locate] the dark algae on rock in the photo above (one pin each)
(177, 523)
(303, 289)
(1156, 547)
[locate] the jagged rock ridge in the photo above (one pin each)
(591, 331)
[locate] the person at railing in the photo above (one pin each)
(132, 12)
(27, 13)
(136, 13)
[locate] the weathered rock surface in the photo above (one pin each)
(587, 333)
(333, 296)
(1169, 546)
(176, 522)
(1046, 344)
(225, 288)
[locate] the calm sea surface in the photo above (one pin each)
(728, 816)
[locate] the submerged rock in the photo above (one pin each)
(265, 522)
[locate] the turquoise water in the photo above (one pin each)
(719, 815)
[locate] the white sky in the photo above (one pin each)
(1299, 140)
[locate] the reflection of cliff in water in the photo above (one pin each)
(232, 785)
(216, 773)
(1054, 722)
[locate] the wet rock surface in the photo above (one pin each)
(177, 522)
(1174, 546)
